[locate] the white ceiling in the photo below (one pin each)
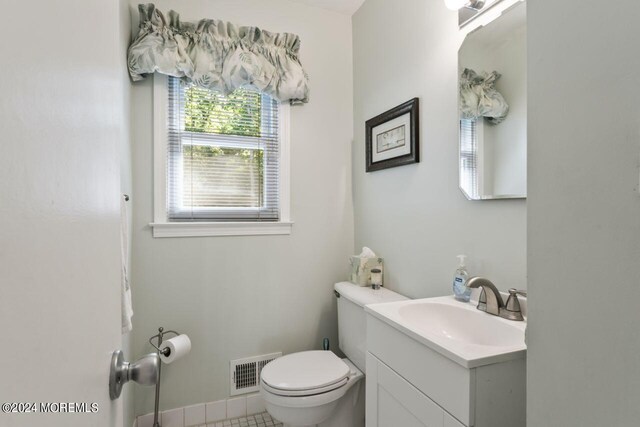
(347, 7)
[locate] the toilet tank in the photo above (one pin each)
(352, 325)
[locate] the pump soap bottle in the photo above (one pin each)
(461, 292)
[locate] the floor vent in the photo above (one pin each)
(245, 373)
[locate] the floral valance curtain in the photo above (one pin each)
(479, 97)
(218, 55)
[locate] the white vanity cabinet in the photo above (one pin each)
(393, 401)
(410, 384)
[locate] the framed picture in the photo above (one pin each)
(392, 138)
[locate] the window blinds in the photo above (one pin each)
(469, 157)
(223, 155)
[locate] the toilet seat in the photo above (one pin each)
(305, 374)
(302, 393)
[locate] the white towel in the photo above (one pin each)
(127, 309)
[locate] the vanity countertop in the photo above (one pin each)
(455, 329)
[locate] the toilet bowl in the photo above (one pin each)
(317, 388)
(314, 388)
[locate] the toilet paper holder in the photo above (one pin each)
(165, 352)
(160, 337)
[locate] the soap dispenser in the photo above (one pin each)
(460, 290)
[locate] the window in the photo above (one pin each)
(469, 134)
(222, 161)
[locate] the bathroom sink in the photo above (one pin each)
(458, 323)
(456, 330)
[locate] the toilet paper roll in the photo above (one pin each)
(178, 347)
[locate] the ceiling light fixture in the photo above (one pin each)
(459, 4)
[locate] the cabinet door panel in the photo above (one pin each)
(401, 404)
(446, 383)
(391, 412)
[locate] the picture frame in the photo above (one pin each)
(393, 138)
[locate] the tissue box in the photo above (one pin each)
(361, 269)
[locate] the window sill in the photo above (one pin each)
(204, 229)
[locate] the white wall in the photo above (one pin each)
(583, 214)
(415, 216)
(243, 296)
(62, 125)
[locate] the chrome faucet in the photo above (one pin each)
(491, 302)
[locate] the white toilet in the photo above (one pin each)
(317, 388)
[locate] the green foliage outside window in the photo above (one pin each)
(238, 114)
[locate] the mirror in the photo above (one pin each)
(493, 108)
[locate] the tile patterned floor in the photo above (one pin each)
(258, 420)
